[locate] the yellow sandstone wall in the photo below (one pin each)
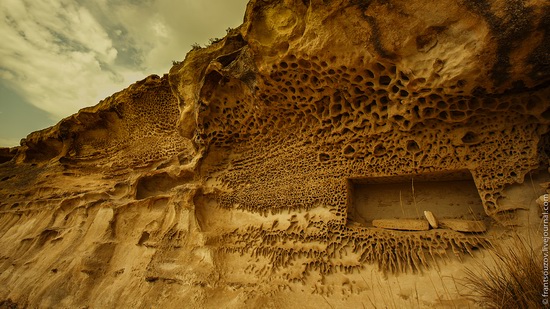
(246, 176)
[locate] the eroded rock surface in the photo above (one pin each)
(230, 182)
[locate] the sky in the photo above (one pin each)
(58, 56)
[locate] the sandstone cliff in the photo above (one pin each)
(288, 163)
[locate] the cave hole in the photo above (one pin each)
(447, 194)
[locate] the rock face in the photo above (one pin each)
(402, 224)
(230, 182)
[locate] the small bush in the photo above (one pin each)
(213, 40)
(196, 46)
(514, 281)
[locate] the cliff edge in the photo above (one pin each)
(291, 162)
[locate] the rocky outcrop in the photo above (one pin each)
(243, 177)
(6, 154)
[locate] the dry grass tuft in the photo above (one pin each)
(514, 281)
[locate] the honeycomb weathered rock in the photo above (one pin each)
(229, 181)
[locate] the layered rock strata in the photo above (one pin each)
(231, 180)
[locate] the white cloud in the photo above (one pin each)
(56, 60)
(62, 55)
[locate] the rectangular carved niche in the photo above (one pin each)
(449, 194)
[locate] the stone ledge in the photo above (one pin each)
(402, 224)
(471, 226)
